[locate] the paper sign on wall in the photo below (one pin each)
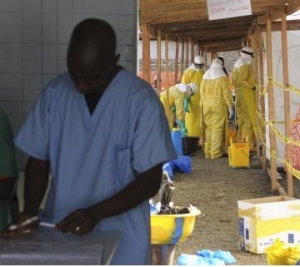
(220, 9)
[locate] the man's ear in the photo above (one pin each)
(117, 57)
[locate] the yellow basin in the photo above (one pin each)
(172, 228)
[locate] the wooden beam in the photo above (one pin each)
(187, 53)
(260, 55)
(280, 189)
(176, 60)
(292, 25)
(182, 55)
(158, 61)
(146, 53)
(287, 110)
(291, 7)
(271, 100)
(192, 51)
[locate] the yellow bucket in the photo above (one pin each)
(172, 228)
(238, 154)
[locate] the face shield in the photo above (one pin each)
(198, 66)
(189, 92)
(198, 62)
(191, 89)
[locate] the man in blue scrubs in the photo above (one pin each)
(102, 133)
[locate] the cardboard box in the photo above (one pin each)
(262, 220)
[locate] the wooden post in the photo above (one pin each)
(167, 60)
(187, 53)
(254, 44)
(262, 98)
(168, 110)
(158, 63)
(192, 51)
(176, 61)
(146, 53)
(287, 112)
(273, 161)
(182, 57)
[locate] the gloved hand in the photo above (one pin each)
(173, 109)
(230, 110)
(183, 129)
(186, 104)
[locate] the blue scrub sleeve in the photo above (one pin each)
(152, 143)
(33, 137)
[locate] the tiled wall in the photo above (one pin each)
(33, 40)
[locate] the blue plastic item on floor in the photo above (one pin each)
(169, 169)
(206, 257)
(177, 140)
(182, 164)
(225, 256)
(196, 260)
(186, 259)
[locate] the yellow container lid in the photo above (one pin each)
(172, 228)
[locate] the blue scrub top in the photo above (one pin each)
(93, 157)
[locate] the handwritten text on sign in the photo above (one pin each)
(220, 9)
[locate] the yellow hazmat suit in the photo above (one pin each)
(175, 101)
(192, 118)
(244, 84)
(215, 98)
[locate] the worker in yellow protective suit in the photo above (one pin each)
(215, 99)
(193, 74)
(177, 93)
(245, 93)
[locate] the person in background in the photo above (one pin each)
(103, 134)
(215, 99)
(193, 74)
(223, 65)
(8, 172)
(177, 93)
(245, 97)
(155, 84)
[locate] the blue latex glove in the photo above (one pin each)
(186, 104)
(183, 129)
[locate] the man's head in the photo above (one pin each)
(217, 63)
(92, 55)
(189, 89)
(247, 52)
(155, 81)
(199, 62)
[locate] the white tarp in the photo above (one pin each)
(294, 80)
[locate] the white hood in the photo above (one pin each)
(241, 62)
(215, 71)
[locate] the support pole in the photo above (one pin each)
(146, 53)
(287, 110)
(158, 63)
(273, 160)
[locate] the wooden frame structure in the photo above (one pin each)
(186, 22)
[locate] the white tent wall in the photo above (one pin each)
(33, 40)
(294, 80)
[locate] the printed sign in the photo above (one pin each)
(220, 9)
